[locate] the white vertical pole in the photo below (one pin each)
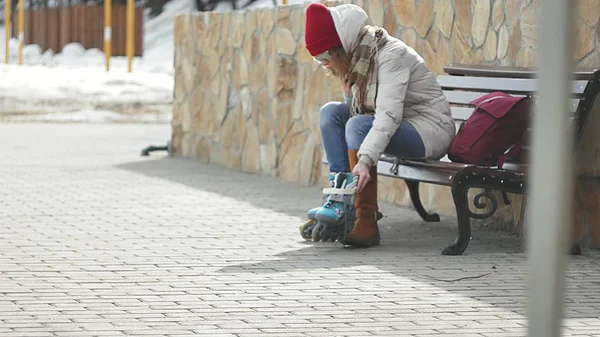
(552, 171)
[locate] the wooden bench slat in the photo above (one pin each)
(514, 72)
(464, 97)
(463, 113)
(509, 85)
(426, 175)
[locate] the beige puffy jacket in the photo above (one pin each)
(407, 90)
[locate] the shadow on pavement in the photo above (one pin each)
(493, 270)
(401, 228)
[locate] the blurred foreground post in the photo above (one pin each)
(21, 29)
(7, 25)
(552, 171)
(130, 36)
(107, 32)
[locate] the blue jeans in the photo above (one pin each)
(341, 133)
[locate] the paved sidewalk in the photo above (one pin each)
(98, 241)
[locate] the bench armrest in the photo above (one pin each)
(512, 72)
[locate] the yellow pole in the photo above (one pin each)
(130, 37)
(107, 32)
(285, 2)
(7, 26)
(21, 29)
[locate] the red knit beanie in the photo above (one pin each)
(319, 33)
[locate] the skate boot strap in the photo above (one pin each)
(339, 197)
(339, 191)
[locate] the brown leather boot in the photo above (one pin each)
(365, 232)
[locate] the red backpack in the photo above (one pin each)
(498, 122)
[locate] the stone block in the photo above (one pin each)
(287, 72)
(445, 55)
(237, 29)
(409, 36)
(588, 11)
(514, 43)
(513, 9)
(308, 159)
(290, 153)
(376, 12)
(460, 46)
(424, 17)
(240, 70)
(283, 16)
(444, 18)
(490, 47)
(226, 131)
(201, 117)
(285, 41)
(298, 19)
(268, 158)
(464, 17)
(498, 15)
(429, 54)
(406, 11)
(390, 21)
(529, 28)
(479, 56)
(502, 43)
(266, 128)
(217, 29)
(251, 150)
(584, 39)
(433, 37)
(481, 19)
(203, 150)
(527, 57)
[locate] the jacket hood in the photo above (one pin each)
(348, 19)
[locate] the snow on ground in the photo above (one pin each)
(74, 86)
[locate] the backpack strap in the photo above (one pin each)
(512, 152)
(489, 99)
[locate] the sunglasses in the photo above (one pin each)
(324, 56)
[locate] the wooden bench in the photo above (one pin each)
(462, 84)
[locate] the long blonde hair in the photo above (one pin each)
(341, 62)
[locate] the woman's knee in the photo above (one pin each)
(333, 114)
(357, 128)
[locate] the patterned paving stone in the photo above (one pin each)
(98, 241)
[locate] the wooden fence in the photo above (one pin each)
(53, 28)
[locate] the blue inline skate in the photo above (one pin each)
(337, 213)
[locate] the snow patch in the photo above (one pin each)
(76, 79)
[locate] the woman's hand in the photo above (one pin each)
(362, 171)
(346, 87)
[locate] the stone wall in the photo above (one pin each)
(247, 93)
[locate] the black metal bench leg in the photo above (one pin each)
(575, 249)
(459, 193)
(413, 188)
(146, 151)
